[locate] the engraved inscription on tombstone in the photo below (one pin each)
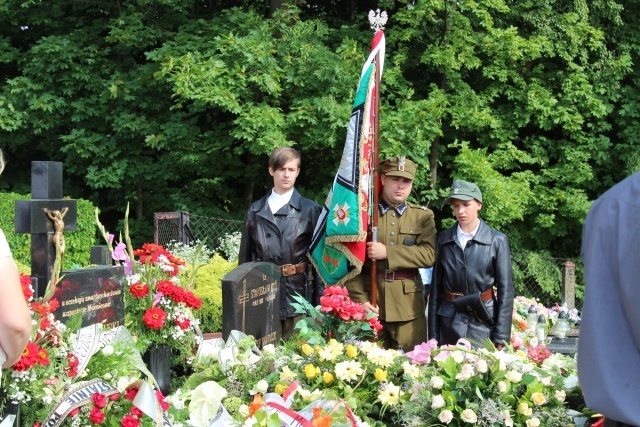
(94, 292)
(251, 303)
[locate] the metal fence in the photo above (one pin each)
(187, 228)
(550, 280)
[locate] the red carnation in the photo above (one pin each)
(154, 318)
(130, 421)
(130, 393)
(74, 412)
(99, 400)
(160, 399)
(96, 416)
(139, 290)
(136, 412)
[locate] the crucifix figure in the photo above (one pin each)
(46, 217)
(56, 217)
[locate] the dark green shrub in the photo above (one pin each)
(208, 287)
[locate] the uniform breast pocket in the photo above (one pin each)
(409, 234)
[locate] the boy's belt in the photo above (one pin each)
(485, 296)
(291, 269)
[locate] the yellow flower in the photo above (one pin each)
(352, 351)
(538, 398)
(327, 377)
(311, 371)
(280, 388)
(307, 349)
(381, 375)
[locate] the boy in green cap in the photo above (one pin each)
(472, 289)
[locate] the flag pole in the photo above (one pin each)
(375, 151)
(377, 20)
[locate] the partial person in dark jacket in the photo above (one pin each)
(278, 229)
(472, 289)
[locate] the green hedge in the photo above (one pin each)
(208, 287)
(78, 242)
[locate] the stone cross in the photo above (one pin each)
(32, 217)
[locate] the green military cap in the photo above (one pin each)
(399, 166)
(464, 190)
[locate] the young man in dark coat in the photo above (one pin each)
(472, 289)
(278, 229)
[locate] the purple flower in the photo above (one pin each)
(110, 236)
(120, 252)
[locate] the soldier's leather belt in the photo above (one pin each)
(485, 296)
(291, 269)
(391, 275)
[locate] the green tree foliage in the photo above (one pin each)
(175, 105)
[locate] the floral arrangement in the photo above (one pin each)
(158, 306)
(45, 357)
(337, 317)
(460, 386)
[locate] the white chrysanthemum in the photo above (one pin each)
(349, 370)
(390, 395)
(269, 349)
(331, 351)
(366, 346)
(381, 357)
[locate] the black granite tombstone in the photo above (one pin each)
(568, 345)
(251, 303)
(46, 192)
(94, 292)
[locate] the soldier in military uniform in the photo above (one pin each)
(406, 242)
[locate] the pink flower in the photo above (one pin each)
(120, 252)
(421, 353)
(517, 341)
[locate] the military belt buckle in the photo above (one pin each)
(386, 275)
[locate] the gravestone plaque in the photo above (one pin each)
(94, 292)
(251, 302)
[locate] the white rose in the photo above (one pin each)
(445, 416)
(538, 398)
(107, 350)
(546, 381)
(524, 409)
(243, 410)
(468, 416)
(560, 395)
(465, 373)
(250, 422)
(261, 387)
(514, 376)
(481, 366)
(436, 382)
(533, 422)
(437, 402)
(502, 387)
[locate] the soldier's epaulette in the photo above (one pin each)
(413, 205)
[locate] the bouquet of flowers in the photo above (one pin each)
(459, 386)
(337, 317)
(158, 307)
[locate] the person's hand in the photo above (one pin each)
(368, 308)
(376, 251)
(499, 346)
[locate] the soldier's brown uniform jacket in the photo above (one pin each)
(409, 234)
